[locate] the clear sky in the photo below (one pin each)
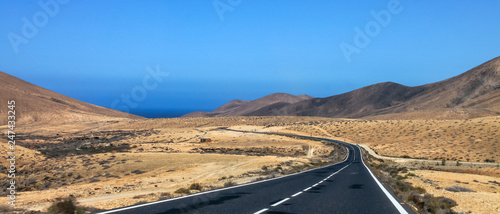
(104, 52)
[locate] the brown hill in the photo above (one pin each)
(247, 108)
(36, 105)
(472, 94)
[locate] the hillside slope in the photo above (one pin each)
(35, 104)
(247, 108)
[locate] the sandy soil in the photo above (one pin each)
(161, 173)
(485, 199)
(156, 163)
(107, 164)
(472, 140)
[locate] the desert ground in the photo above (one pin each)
(110, 164)
(482, 198)
(120, 162)
(469, 140)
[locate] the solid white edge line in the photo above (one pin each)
(261, 211)
(392, 199)
(280, 202)
(296, 194)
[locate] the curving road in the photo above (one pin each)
(346, 187)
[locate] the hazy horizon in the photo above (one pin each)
(185, 56)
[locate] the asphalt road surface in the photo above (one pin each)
(346, 187)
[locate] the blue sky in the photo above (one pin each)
(100, 51)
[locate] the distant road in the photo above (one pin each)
(346, 187)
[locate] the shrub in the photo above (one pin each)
(195, 186)
(139, 196)
(433, 204)
(182, 191)
(420, 190)
(65, 206)
(92, 180)
(410, 175)
(446, 203)
(259, 179)
(138, 171)
(165, 195)
(489, 161)
(9, 209)
(230, 183)
(399, 177)
(31, 181)
(402, 186)
(413, 195)
(458, 189)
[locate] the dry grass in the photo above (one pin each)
(476, 140)
(486, 189)
(122, 162)
(112, 180)
(472, 193)
(108, 168)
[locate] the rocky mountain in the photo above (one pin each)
(474, 93)
(247, 108)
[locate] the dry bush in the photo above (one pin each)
(230, 184)
(476, 140)
(416, 196)
(66, 206)
(11, 209)
(182, 191)
(195, 186)
(458, 189)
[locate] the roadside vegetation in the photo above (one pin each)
(66, 206)
(471, 140)
(419, 200)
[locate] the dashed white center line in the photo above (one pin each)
(261, 211)
(297, 194)
(280, 202)
(306, 189)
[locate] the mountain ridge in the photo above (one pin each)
(242, 107)
(473, 93)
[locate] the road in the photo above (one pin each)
(346, 187)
